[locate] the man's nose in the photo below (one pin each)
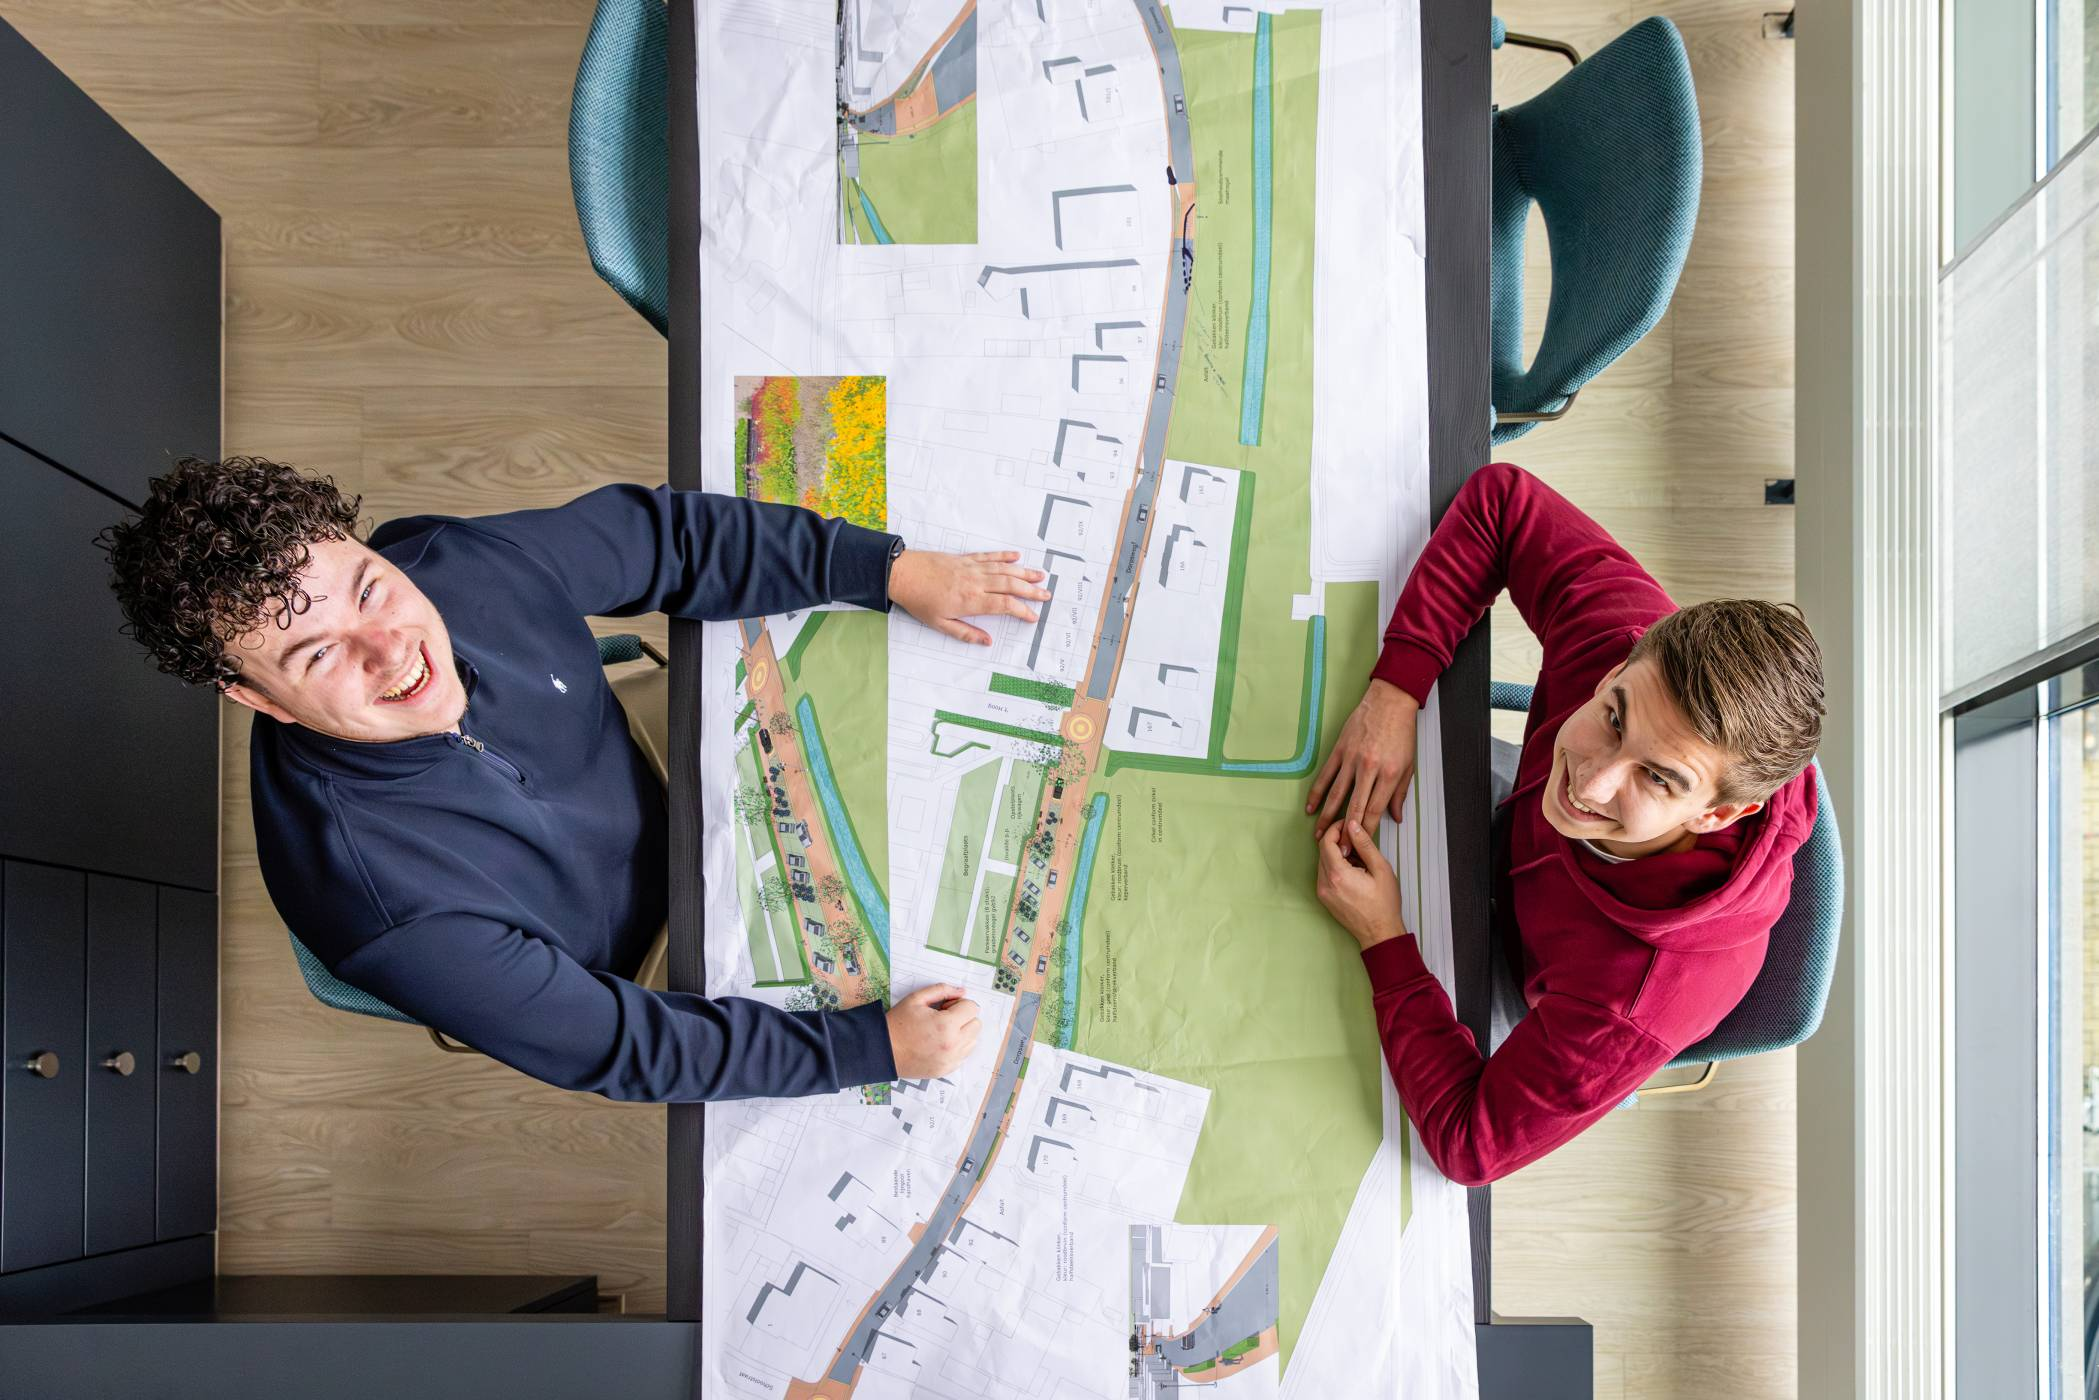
(386, 651)
(1599, 784)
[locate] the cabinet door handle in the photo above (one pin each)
(121, 1062)
(189, 1062)
(43, 1066)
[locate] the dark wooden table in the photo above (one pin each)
(1456, 104)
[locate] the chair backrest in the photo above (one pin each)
(330, 990)
(619, 152)
(1611, 155)
(619, 647)
(1784, 1005)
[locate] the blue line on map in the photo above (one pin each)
(874, 220)
(1307, 746)
(1068, 1013)
(1253, 380)
(847, 845)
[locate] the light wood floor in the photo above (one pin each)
(409, 309)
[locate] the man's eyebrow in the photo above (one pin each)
(292, 652)
(1669, 775)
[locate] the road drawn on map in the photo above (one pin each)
(1088, 717)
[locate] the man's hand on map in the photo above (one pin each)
(1357, 885)
(932, 1030)
(1372, 764)
(942, 589)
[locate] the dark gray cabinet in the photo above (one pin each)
(109, 1107)
(109, 365)
(187, 1065)
(43, 1118)
(110, 291)
(107, 764)
(122, 1032)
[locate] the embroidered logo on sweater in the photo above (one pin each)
(559, 684)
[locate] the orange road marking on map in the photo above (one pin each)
(769, 697)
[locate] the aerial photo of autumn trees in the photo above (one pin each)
(816, 441)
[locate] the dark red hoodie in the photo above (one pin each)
(1623, 965)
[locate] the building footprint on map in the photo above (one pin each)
(957, 1244)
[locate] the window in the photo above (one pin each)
(2018, 404)
(2022, 90)
(1998, 1123)
(1994, 153)
(2070, 846)
(2026, 1038)
(2070, 75)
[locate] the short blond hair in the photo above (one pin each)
(1748, 677)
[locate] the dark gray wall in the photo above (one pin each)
(497, 1360)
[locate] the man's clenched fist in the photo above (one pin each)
(932, 1031)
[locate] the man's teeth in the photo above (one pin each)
(421, 669)
(1578, 804)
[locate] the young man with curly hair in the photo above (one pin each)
(1641, 854)
(450, 809)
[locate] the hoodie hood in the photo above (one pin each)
(1724, 892)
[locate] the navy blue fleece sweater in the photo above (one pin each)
(498, 895)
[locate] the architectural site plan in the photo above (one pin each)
(1134, 289)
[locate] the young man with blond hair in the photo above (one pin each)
(1642, 855)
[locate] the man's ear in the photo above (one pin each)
(1722, 816)
(257, 701)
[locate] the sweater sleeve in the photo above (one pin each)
(1563, 1067)
(1572, 582)
(525, 1002)
(625, 549)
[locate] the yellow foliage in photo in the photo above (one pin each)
(856, 482)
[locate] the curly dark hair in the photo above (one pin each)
(217, 545)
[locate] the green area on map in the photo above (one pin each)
(1238, 980)
(923, 186)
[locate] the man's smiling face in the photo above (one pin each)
(1629, 773)
(369, 660)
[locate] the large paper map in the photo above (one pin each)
(1136, 290)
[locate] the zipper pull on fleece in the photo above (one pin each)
(468, 741)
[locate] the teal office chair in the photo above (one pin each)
(1610, 153)
(619, 152)
(331, 991)
(1499, 33)
(1784, 1005)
